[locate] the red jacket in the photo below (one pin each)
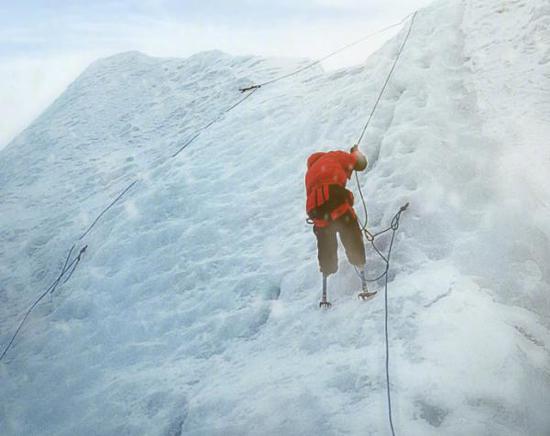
(323, 170)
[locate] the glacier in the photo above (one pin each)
(194, 310)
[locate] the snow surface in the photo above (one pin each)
(194, 310)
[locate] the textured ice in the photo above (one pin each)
(194, 310)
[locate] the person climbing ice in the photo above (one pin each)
(329, 206)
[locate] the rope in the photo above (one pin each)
(68, 268)
(107, 208)
(363, 226)
(49, 290)
(253, 88)
(393, 226)
(220, 116)
(387, 79)
(318, 61)
(71, 267)
(370, 236)
(388, 388)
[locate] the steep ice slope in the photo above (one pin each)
(194, 311)
(511, 78)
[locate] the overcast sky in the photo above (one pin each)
(45, 44)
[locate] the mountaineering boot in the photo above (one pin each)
(365, 294)
(324, 303)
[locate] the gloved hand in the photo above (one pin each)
(361, 160)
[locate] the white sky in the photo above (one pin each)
(45, 44)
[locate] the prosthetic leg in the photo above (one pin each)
(324, 303)
(365, 294)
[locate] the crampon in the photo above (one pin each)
(325, 304)
(366, 295)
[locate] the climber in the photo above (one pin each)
(329, 206)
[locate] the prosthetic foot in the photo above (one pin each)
(365, 295)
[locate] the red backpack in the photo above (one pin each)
(326, 178)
